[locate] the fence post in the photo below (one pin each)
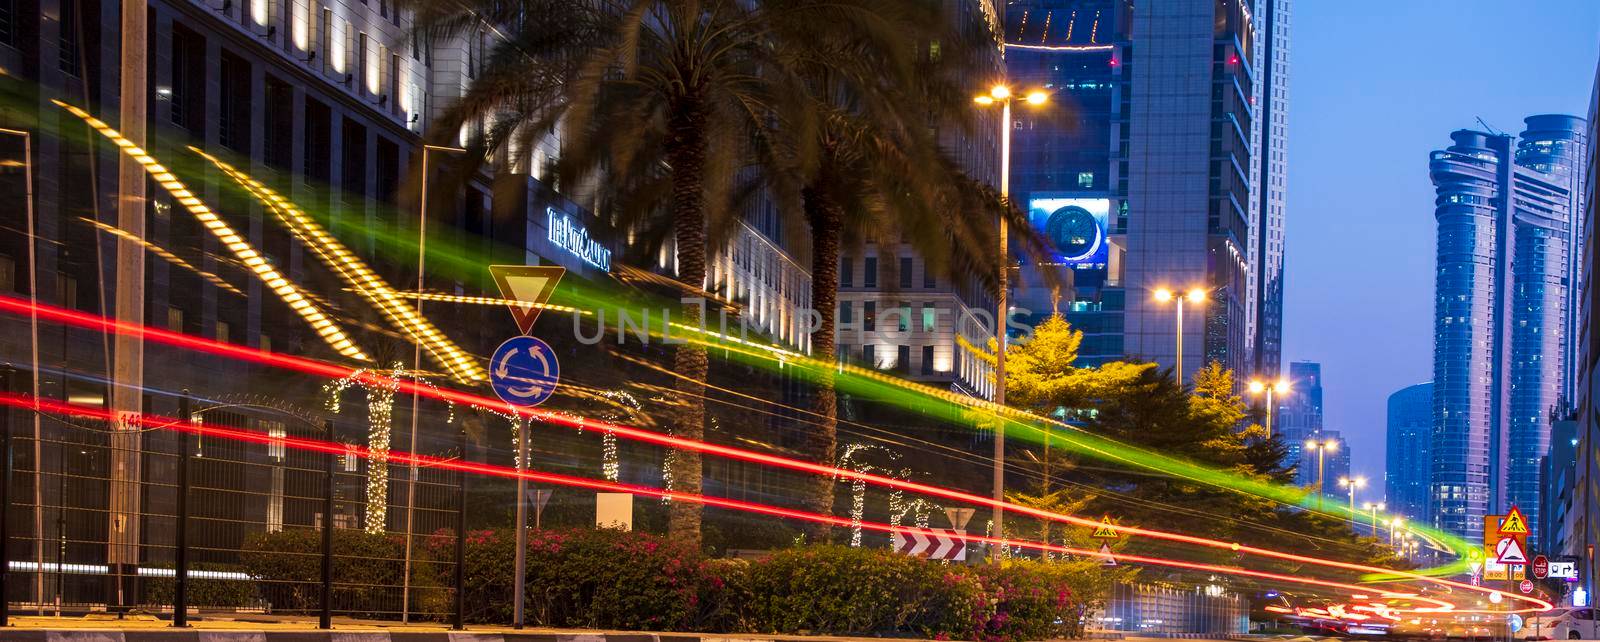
(6, 375)
(180, 593)
(325, 617)
(458, 618)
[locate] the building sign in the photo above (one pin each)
(1075, 227)
(1563, 569)
(573, 237)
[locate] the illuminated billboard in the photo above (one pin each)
(1075, 227)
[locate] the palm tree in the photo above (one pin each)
(669, 99)
(872, 171)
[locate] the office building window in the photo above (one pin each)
(843, 353)
(353, 164)
(8, 274)
(928, 281)
(234, 111)
(188, 93)
(846, 273)
(905, 273)
(174, 319)
(845, 308)
(66, 291)
(8, 22)
(224, 332)
(869, 272)
(318, 144)
(1085, 180)
(869, 355)
(869, 315)
(902, 359)
(277, 123)
(927, 360)
(929, 316)
(904, 317)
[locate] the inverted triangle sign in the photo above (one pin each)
(526, 288)
(1106, 558)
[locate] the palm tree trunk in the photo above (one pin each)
(686, 156)
(820, 443)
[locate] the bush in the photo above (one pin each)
(367, 572)
(204, 593)
(839, 589)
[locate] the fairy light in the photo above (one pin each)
(380, 422)
(281, 286)
(329, 447)
(308, 366)
(354, 271)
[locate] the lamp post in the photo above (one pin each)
(33, 347)
(1258, 386)
(416, 376)
(1002, 95)
(1374, 508)
(1394, 528)
(1322, 448)
(1352, 485)
(1194, 295)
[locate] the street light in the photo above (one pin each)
(1258, 386)
(1374, 508)
(1322, 448)
(1194, 295)
(1001, 94)
(416, 376)
(33, 347)
(1352, 484)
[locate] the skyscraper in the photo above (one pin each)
(1143, 179)
(1410, 440)
(1504, 313)
(1299, 416)
(1269, 176)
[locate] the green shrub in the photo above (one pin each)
(838, 590)
(368, 571)
(204, 593)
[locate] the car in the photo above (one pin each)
(1561, 624)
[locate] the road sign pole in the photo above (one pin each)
(458, 618)
(519, 568)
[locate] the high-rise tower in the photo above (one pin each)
(1409, 440)
(1503, 319)
(1270, 178)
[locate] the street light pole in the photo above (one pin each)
(33, 347)
(1258, 386)
(416, 378)
(1195, 295)
(1002, 94)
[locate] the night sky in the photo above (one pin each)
(1374, 87)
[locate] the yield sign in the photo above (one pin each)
(1514, 524)
(525, 289)
(1105, 553)
(1509, 551)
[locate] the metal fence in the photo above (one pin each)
(107, 517)
(1151, 609)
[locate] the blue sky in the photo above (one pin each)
(1375, 86)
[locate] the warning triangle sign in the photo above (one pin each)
(1514, 523)
(1106, 530)
(1511, 552)
(1105, 553)
(525, 289)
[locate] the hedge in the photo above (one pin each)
(607, 579)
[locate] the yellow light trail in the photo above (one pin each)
(286, 290)
(164, 254)
(461, 365)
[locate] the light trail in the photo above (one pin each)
(279, 284)
(308, 366)
(460, 465)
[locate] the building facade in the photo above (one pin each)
(1299, 416)
(1581, 530)
(1503, 324)
(1406, 463)
(1269, 177)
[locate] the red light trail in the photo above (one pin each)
(332, 371)
(428, 461)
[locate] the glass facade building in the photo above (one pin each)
(1504, 314)
(1299, 416)
(1409, 441)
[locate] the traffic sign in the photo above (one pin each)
(524, 371)
(1526, 586)
(1541, 566)
(959, 517)
(525, 289)
(1509, 551)
(1563, 569)
(1491, 533)
(1493, 570)
(932, 543)
(1514, 622)
(1106, 558)
(1106, 530)
(1514, 523)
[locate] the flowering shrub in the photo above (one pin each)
(838, 589)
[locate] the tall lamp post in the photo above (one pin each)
(1374, 507)
(1002, 95)
(1194, 295)
(1322, 447)
(1280, 387)
(33, 347)
(416, 375)
(1351, 484)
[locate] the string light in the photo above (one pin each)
(291, 295)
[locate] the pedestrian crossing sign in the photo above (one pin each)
(1514, 523)
(1106, 530)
